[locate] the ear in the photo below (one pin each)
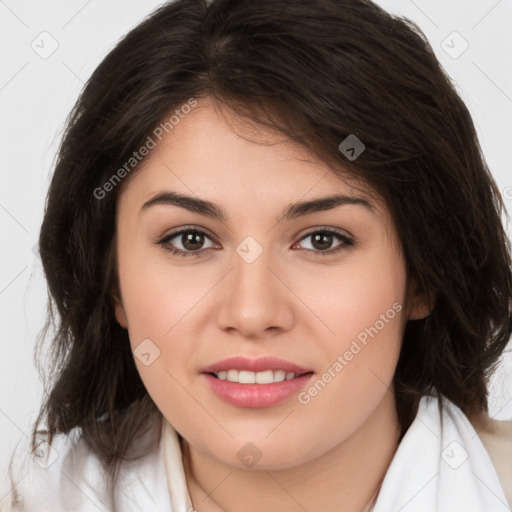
(420, 303)
(120, 313)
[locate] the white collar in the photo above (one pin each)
(440, 465)
(176, 479)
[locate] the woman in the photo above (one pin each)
(276, 257)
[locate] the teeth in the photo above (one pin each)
(263, 377)
(232, 376)
(246, 377)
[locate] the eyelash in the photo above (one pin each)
(346, 242)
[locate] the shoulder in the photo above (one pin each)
(69, 476)
(65, 475)
(496, 436)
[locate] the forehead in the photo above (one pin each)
(213, 153)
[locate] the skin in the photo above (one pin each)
(326, 455)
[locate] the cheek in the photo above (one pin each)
(162, 302)
(157, 295)
(367, 289)
(362, 312)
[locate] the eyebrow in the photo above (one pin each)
(293, 211)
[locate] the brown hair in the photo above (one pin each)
(317, 70)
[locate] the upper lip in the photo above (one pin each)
(255, 365)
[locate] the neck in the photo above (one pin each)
(346, 478)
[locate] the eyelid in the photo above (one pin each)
(190, 227)
(315, 229)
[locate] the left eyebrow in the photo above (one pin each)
(324, 203)
(292, 211)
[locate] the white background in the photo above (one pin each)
(36, 94)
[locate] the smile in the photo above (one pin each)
(247, 377)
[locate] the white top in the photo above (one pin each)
(441, 465)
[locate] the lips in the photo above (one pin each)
(255, 365)
(256, 395)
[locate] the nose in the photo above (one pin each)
(255, 300)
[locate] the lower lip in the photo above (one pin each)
(256, 395)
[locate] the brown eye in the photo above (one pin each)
(191, 241)
(322, 241)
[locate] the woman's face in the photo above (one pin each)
(320, 288)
